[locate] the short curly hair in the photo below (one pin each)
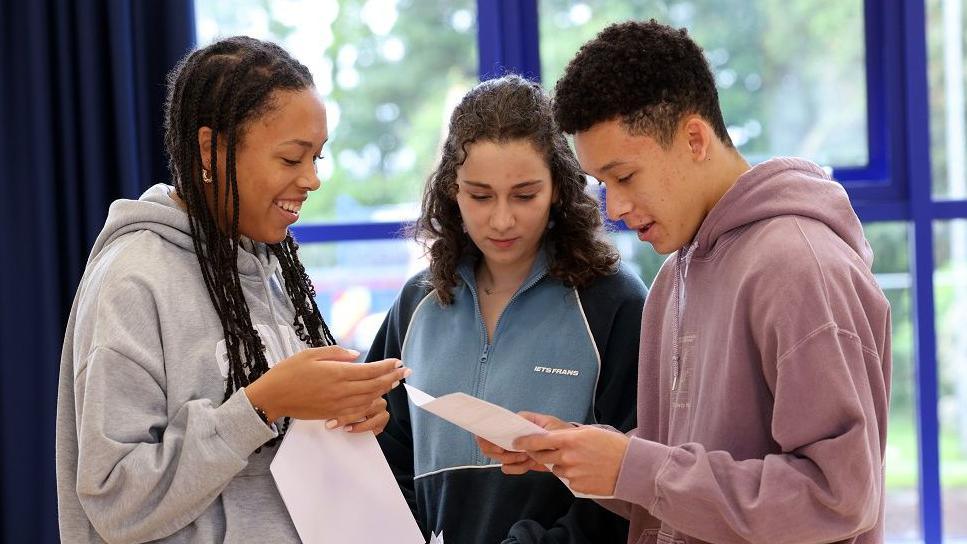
(647, 74)
(503, 110)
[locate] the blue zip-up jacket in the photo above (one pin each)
(572, 353)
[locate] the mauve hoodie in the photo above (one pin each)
(764, 375)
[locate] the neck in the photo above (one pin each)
(725, 173)
(499, 277)
(178, 200)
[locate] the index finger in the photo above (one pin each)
(487, 445)
(377, 386)
(376, 369)
(537, 442)
(332, 353)
(548, 422)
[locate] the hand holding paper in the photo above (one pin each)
(588, 459)
(513, 462)
(500, 426)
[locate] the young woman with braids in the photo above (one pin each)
(525, 305)
(194, 335)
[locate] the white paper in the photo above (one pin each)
(484, 419)
(495, 423)
(338, 487)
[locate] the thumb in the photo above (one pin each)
(550, 423)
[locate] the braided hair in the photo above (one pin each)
(224, 86)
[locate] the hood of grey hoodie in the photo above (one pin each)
(157, 212)
(784, 186)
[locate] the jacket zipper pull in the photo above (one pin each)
(676, 368)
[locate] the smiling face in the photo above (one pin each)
(504, 192)
(655, 191)
(275, 162)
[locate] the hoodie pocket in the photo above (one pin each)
(649, 536)
(669, 538)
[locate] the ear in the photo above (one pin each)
(205, 147)
(699, 136)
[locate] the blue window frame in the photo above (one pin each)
(894, 185)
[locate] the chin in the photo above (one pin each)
(277, 239)
(267, 237)
(662, 248)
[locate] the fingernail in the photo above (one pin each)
(347, 428)
(394, 385)
(353, 352)
(331, 424)
(407, 372)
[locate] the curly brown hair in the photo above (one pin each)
(502, 110)
(647, 74)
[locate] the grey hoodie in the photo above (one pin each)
(146, 448)
(762, 403)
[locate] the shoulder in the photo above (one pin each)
(140, 270)
(418, 283)
(140, 257)
(791, 251)
(795, 262)
(414, 291)
(621, 286)
(789, 241)
(416, 288)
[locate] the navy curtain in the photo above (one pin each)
(81, 90)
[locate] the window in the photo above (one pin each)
(775, 67)
(388, 105)
(948, 146)
(891, 266)
(950, 286)
(948, 138)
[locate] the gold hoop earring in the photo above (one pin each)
(206, 177)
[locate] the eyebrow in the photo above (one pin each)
(520, 185)
(302, 143)
(617, 162)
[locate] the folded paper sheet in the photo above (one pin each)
(484, 419)
(338, 487)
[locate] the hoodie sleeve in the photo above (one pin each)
(613, 307)
(824, 485)
(396, 440)
(142, 474)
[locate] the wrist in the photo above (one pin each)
(262, 415)
(260, 403)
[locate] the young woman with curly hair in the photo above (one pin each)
(525, 305)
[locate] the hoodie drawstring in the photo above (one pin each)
(681, 271)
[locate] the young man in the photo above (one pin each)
(764, 371)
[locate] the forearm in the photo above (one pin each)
(148, 490)
(782, 498)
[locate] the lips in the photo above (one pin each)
(644, 231)
(503, 243)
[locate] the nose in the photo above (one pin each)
(616, 204)
(502, 217)
(309, 179)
